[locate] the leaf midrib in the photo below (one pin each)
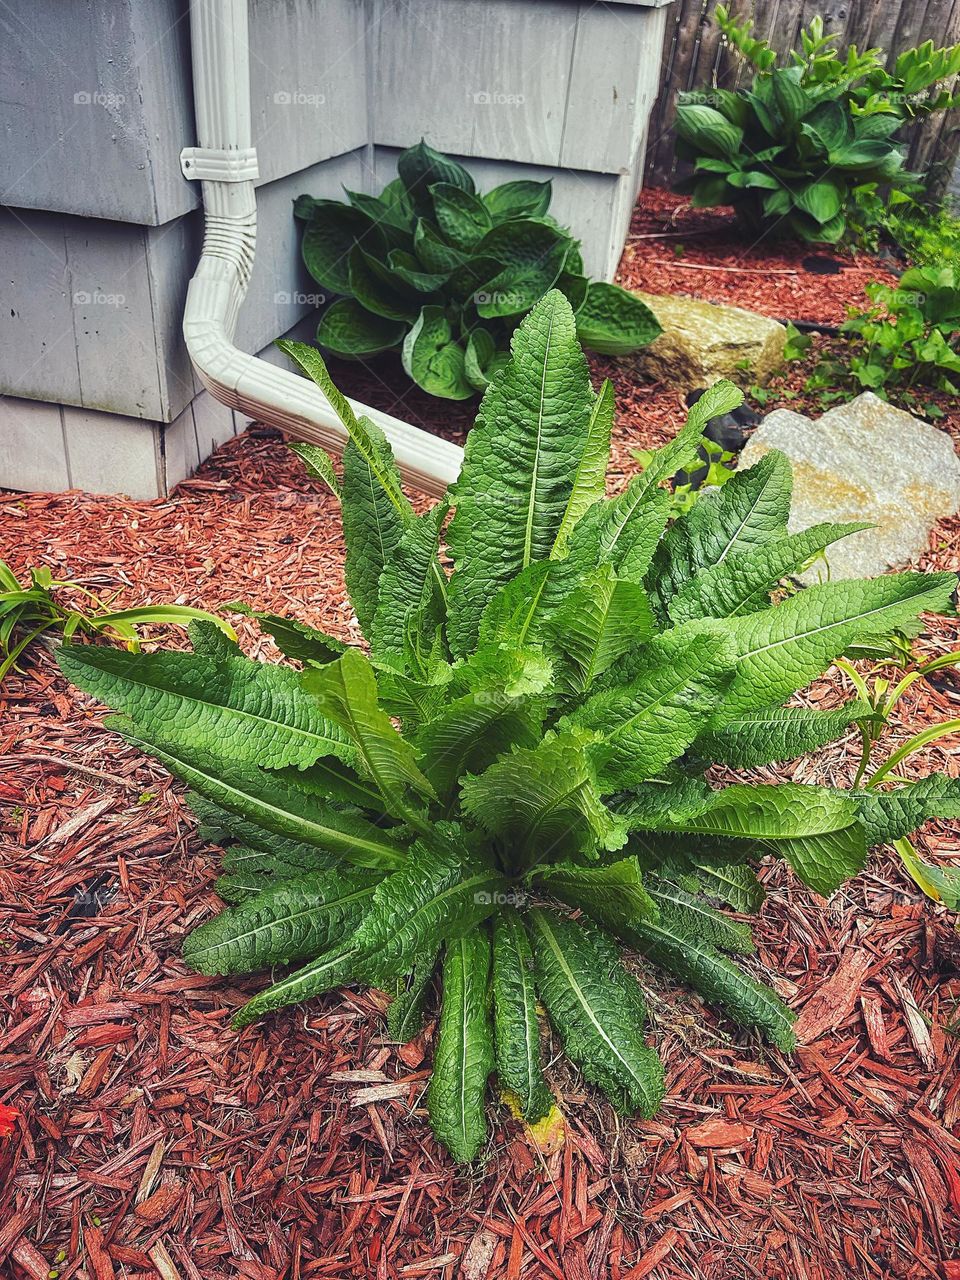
(314, 909)
(535, 471)
(578, 991)
(830, 626)
(336, 841)
(296, 730)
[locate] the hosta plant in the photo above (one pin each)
(511, 782)
(442, 274)
(806, 147)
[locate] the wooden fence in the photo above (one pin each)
(696, 57)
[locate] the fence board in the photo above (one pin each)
(694, 57)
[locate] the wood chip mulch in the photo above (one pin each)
(153, 1140)
(674, 248)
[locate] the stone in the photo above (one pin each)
(703, 342)
(864, 460)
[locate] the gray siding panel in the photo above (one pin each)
(308, 82)
(96, 108)
(493, 79)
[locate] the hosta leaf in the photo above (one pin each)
(742, 581)
(350, 331)
(323, 974)
(637, 728)
(477, 355)
(784, 648)
(411, 584)
(533, 254)
(463, 218)
(269, 801)
(289, 921)
(613, 895)
(346, 691)
(597, 624)
(669, 944)
(590, 476)
(520, 198)
(890, 815)
(433, 252)
(597, 1009)
(516, 1029)
(708, 130)
(518, 464)
(391, 211)
(822, 199)
(405, 1015)
(420, 167)
(375, 288)
(463, 1058)
(294, 639)
(440, 893)
(408, 269)
(333, 230)
(433, 359)
(772, 734)
(235, 708)
(614, 321)
(542, 802)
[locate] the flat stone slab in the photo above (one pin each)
(865, 460)
(703, 342)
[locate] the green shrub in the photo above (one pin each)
(444, 275)
(805, 150)
(560, 698)
(908, 339)
(928, 235)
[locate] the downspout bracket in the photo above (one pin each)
(207, 164)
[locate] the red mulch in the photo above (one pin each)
(155, 1141)
(674, 248)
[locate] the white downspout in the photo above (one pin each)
(226, 164)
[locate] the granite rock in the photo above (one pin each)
(864, 460)
(703, 342)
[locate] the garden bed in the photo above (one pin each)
(156, 1140)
